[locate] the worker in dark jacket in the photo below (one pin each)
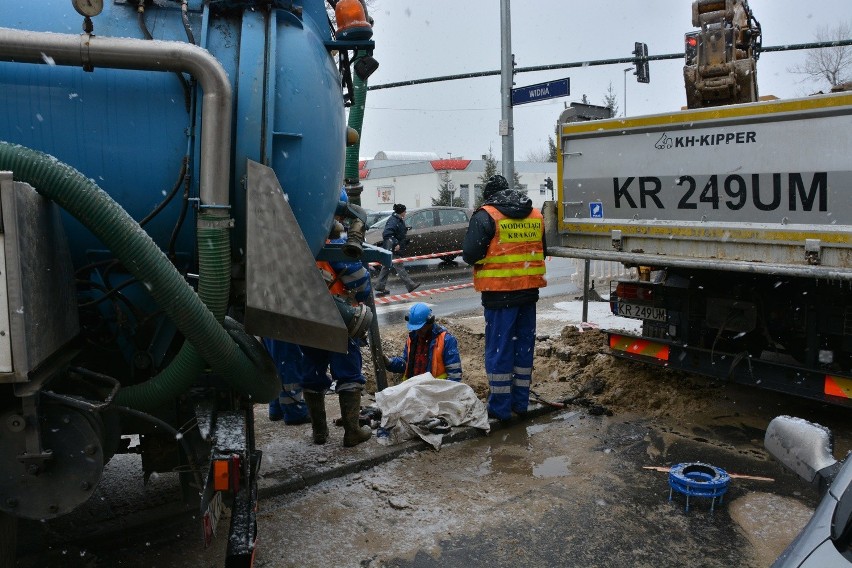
(505, 244)
(429, 347)
(395, 239)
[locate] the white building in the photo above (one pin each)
(415, 178)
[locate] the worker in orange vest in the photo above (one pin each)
(505, 244)
(350, 281)
(429, 347)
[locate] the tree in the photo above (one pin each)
(542, 155)
(610, 100)
(830, 64)
(445, 197)
(489, 170)
(537, 155)
(551, 147)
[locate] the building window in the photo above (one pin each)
(464, 194)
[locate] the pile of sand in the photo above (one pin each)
(575, 366)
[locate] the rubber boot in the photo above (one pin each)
(350, 409)
(316, 410)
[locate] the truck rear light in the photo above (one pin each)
(639, 346)
(631, 291)
(226, 474)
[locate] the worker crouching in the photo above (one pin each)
(429, 348)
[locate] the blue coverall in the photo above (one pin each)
(345, 367)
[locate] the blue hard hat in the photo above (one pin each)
(418, 315)
(344, 197)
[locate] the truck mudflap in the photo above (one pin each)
(828, 387)
(232, 482)
(243, 532)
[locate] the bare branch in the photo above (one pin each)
(830, 64)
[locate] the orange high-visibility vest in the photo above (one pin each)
(515, 256)
(335, 285)
(438, 370)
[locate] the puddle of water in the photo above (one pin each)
(555, 466)
(508, 463)
(567, 416)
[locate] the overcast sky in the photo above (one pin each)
(429, 38)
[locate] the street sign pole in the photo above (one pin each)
(507, 68)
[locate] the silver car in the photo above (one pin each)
(431, 230)
(807, 449)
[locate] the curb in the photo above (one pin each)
(280, 485)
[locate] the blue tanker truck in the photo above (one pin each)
(169, 173)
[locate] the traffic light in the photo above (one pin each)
(690, 41)
(548, 183)
(642, 73)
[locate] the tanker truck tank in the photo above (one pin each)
(168, 178)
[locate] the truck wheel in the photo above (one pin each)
(8, 539)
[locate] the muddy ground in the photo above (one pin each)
(575, 365)
(566, 489)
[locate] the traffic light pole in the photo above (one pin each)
(507, 68)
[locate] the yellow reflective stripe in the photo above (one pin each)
(506, 258)
(714, 113)
(502, 273)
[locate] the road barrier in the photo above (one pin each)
(419, 294)
(421, 257)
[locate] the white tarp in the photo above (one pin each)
(422, 406)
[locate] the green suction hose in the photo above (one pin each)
(197, 316)
(356, 122)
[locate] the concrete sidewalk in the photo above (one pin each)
(291, 461)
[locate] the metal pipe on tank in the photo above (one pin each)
(147, 55)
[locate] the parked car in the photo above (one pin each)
(431, 230)
(374, 217)
(807, 449)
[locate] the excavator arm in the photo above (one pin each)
(721, 57)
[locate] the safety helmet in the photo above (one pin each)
(344, 197)
(419, 315)
(494, 184)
